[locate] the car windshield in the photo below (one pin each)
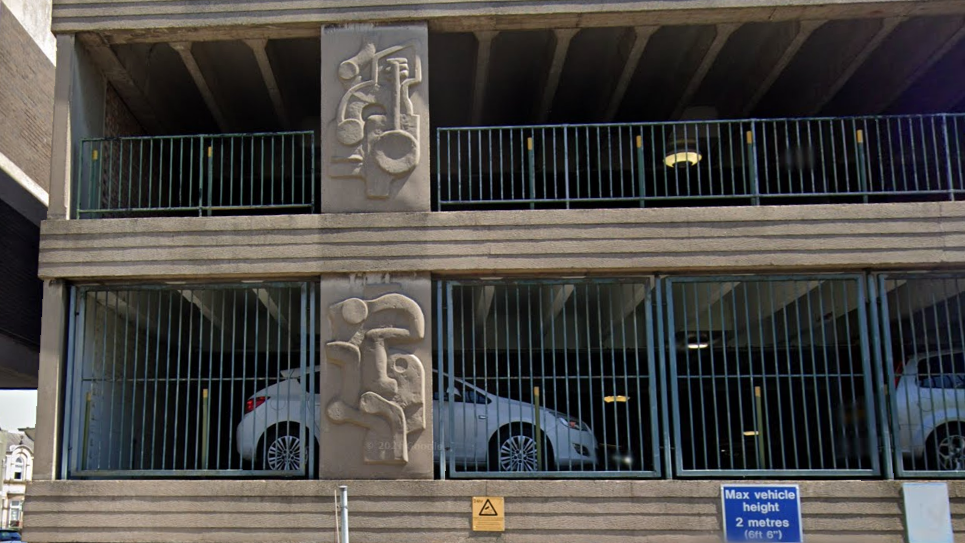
(9, 535)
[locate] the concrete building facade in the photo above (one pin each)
(626, 253)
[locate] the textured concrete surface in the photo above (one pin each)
(153, 17)
(365, 449)
(439, 511)
(733, 239)
(375, 119)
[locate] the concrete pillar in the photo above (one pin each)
(375, 119)
(60, 152)
(53, 333)
(376, 375)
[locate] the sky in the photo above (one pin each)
(18, 409)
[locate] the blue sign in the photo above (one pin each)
(762, 513)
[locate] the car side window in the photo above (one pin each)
(946, 371)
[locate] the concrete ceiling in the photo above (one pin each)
(644, 73)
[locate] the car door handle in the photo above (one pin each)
(481, 417)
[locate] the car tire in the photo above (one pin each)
(514, 450)
(946, 447)
(282, 449)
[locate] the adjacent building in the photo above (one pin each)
(26, 110)
(596, 259)
(17, 472)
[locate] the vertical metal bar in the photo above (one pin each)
(862, 163)
(752, 164)
(531, 159)
(879, 321)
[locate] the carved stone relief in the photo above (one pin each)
(377, 127)
(382, 391)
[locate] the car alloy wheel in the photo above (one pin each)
(951, 452)
(284, 453)
(518, 453)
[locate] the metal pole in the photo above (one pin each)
(539, 433)
(343, 513)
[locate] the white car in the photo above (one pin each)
(488, 430)
(500, 434)
(270, 432)
(930, 396)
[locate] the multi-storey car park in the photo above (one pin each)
(595, 258)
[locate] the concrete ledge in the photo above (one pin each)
(154, 20)
(439, 511)
(669, 240)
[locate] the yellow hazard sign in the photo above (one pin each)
(488, 514)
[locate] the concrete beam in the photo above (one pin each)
(260, 48)
(122, 81)
(707, 303)
(804, 31)
(551, 307)
(561, 46)
(641, 36)
(632, 296)
(768, 301)
(272, 305)
(204, 305)
(484, 47)
(893, 93)
(191, 63)
(888, 26)
(482, 304)
(724, 32)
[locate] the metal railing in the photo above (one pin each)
(923, 354)
(765, 372)
(213, 174)
(547, 378)
(191, 380)
(738, 162)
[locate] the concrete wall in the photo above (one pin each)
(157, 16)
(26, 100)
(839, 237)
(439, 511)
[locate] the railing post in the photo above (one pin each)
(948, 159)
(531, 156)
(539, 431)
(862, 164)
(752, 165)
(641, 174)
(201, 154)
(210, 177)
(205, 425)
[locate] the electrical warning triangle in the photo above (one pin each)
(488, 510)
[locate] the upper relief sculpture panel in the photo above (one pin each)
(377, 125)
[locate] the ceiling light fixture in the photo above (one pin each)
(618, 399)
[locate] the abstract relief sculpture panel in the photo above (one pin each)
(382, 389)
(375, 119)
(377, 124)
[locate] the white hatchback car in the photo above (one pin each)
(930, 399)
(488, 430)
(500, 434)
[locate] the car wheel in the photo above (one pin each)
(514, 450)
(947, 447)
(283, 450)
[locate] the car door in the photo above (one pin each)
(941, 382)
(459, 404)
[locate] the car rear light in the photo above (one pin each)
(253, 403)
(899, 369)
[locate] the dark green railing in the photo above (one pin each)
(221, 174)
(737, 162)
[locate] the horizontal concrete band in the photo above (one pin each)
(734, 239)
(430, 511)
(450, 15)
